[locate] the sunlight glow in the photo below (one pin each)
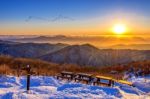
(119, 29)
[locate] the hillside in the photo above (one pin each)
(88, 55)
(29, 50)
(132, 46)
(14, 66)
(75, 54)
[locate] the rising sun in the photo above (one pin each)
(119, 29)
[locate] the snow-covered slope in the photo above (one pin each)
(43, 87)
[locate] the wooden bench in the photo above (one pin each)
(83, 77)
(109, 81)
(66, 75)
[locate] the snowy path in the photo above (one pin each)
(49, 88)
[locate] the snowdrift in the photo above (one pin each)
(44, 87)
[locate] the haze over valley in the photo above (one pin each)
(86, 54)
(101, 42)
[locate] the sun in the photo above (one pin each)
(119, 29)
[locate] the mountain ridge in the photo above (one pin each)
(83, 55)
(88, 55)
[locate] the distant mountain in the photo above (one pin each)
(98, 41)
(89, 55)
(75, 54)
(7, 42)
(29, 50)
(83, 55)
(42, 38)
(132, 46)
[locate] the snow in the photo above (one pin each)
(142, 83)
(47, 87)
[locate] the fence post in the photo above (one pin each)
(28, 77)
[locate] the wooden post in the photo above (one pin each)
(110, 83)
(28, 77)
(28, 82)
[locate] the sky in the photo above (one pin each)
(73, 17)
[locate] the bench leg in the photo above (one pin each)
(93, 83)
(87, 82)
(57, 77)
(110, 83)
(113, 83)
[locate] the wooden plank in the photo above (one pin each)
(67, 72)
(125, 82)
(103, 77)
(119, 81)
(84, 74)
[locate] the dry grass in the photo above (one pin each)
(14, 66)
